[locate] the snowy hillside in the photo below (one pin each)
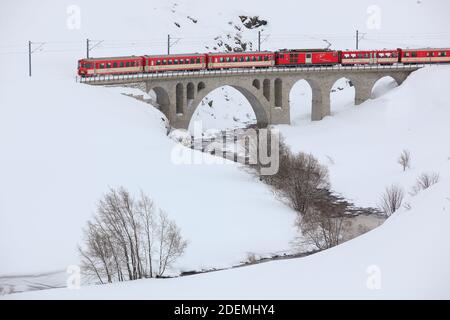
(63, 144)
(407, 257)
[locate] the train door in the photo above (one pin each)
(308, 59)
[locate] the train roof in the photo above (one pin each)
(305, 50)
(238, 53)
(112, 58)
(433, 49)
(174, 55)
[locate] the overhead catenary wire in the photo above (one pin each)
(396, 39)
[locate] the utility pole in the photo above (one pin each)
(29, 58)
(168, 44)
(259, 40)
(357, 39)
(89, 48)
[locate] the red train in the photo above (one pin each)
(282, 58)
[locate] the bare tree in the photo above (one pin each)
(392, 199)
(405, 159)
(121, 239)
(171, 244)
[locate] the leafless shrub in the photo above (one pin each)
(322, 226)
(391, 200)
(424, 181)
(301, 179)
(251, 258)
(405, 160)
(126, 239)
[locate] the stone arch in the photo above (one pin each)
(266, 89)
(257, 84)
(342, 93)
(179, 93)
(261, 113)
(278, 92)
(383, 85)
(201, 85)
(162, 100)
(300, 101)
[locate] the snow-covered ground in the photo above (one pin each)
(64, 144)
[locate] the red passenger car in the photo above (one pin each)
(112, 65)
(424, 55)
(175, 62)
(241, 60)
(370, 57)
(306, 57)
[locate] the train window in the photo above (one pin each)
(414, 54)
(121, 64)
(247, 58)
(181, 61)
(281, 56)
(266, 58)
(169, 62)
(164, 62)
(444, 54)
(259, 58)
(253, 58)
(102, 65)
(187, 61)
(198, 60)
(158, 62)
(192, 60)
(221, 59)
(108, 65)
(235, 59)
(115, 65)
(175, 61)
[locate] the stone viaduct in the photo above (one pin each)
(267, 90)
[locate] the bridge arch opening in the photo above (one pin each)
(179, 91)
(201, 85)
(257, 84)
(266, 89)
(300, 102)
(161, 100)
(190, 93)
(278, 93)
(227, 107)
(342, 95)
(383, 86)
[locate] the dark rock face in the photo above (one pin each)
(252, 22)
(234, 40)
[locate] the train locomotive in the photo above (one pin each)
(284, 58)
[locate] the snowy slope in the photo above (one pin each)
(405, 258)
(63, 144)
(362, 154)
(408, 255)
